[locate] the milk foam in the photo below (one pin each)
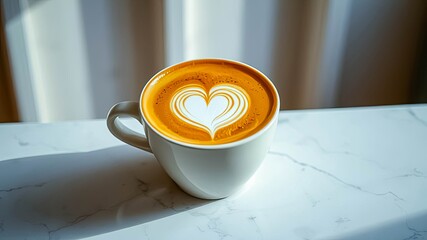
(222, 106)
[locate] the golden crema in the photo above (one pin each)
(208, 102)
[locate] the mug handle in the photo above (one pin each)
(120, 131)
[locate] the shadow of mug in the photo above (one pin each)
(84, 194)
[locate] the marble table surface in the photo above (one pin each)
(352, 173)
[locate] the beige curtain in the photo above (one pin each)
(74, 59)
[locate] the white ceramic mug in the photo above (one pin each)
(204, 171)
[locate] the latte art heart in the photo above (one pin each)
(222, 106)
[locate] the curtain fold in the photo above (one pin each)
(74, 59)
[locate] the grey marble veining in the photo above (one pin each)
(356, 173)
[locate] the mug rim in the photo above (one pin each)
(213, 146)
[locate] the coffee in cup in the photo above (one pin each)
(208, 102)
(209, 123)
